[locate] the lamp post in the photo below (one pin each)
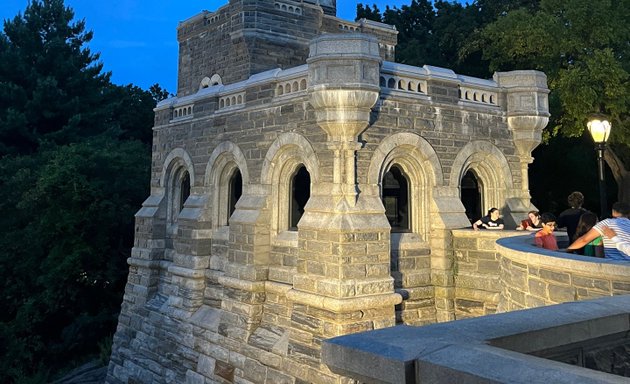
(599, 127)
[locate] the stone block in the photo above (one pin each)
(561, 294)
(488, 267)
(465, 243)
(206, 365)
(554, 276)
(224, 370)
(621, 287)
(537, 288)
(277, 377)
(592, 283)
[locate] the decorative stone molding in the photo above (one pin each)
(343, 112)
(527, 114)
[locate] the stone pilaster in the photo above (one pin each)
(527, 105)
(192, 256)
(449, 213)
(343, 283)
(247, 266)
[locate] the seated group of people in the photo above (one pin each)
(609, 238)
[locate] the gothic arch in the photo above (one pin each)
(490, 167)
(222, 164)
(178, 166)
(285, 156)
(420, 163)
(177, 158)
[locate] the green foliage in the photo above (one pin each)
(48, 79)
(105, 350)
(74, 160)
(158, 93)
(368, 12)
(68, 228)
(583, 48)
(436, 32)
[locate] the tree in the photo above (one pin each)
(435, 33)
(367, 12)
(74, 160)
(583, 48)
(48, 79)
(160, 93)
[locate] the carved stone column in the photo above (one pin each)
(343, 283)
(528, 114)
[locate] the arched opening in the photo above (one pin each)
(395, 196)
(471, 196)
(184, 191)
(235, 191)
(300, 193)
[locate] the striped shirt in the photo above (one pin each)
(621, 226)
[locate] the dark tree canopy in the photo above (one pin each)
(581, 45)
(583, 48)
(74, 165)
(435, 32)
(49, 80)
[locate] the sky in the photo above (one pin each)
(137, 39)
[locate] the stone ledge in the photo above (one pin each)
(344, 305)
(520, 249)
(458, 351)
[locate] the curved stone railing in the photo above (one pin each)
(533, 277)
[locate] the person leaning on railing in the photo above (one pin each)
(623, 246)
(620, 224)
(491, 221)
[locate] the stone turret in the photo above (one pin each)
(527, 114)
(252, 36)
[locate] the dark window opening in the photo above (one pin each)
(235, 192)
(300, 193)
(184, 190)
(395, 197)
(471, 196)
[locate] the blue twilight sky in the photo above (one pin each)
(137, 38)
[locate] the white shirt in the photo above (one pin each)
(621, 226)
(623, 246)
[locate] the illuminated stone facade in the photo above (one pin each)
(305, 186)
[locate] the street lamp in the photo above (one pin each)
(599, 127)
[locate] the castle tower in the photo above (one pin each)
(305, 186)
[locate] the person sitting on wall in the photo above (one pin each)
(532, 223)
(623, 246)
(620, 224)
(569, 217)
(545, 238)
(490, 221)
(594, 248)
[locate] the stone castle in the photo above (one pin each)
(306, 186)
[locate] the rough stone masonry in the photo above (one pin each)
(305, 186)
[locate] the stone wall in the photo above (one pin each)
(504, 271)
(477, 267)
(533, 277)
(243, 38)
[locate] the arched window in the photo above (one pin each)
(184, 190)
(235, 191)
(470, 195)
(300, 193)
(395, 195)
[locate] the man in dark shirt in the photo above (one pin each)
(569, 218)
